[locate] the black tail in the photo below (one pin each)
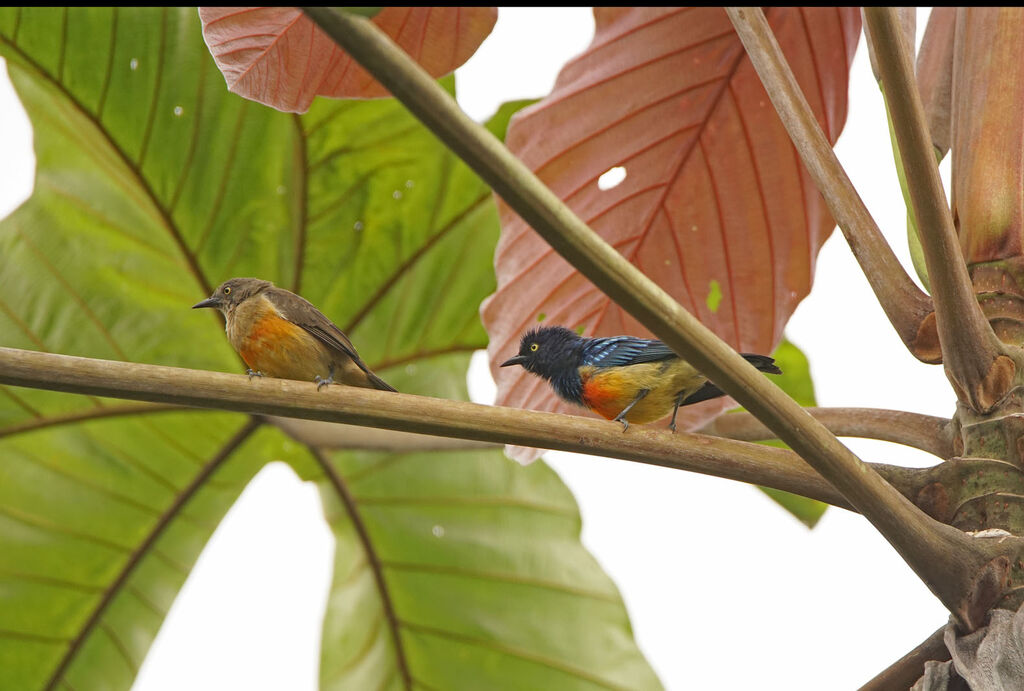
(709, 390)
(763, 363)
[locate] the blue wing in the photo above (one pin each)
(624, 350)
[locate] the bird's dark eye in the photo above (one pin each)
(227, 290)
(534, 347)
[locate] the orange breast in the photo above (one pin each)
(607, 392)
(278, 348)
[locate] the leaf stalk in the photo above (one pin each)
(906, 305)
(976, 361)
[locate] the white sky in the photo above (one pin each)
(725, 590)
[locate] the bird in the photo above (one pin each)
(280, 334)
(622, 378)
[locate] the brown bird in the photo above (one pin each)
(280, 334)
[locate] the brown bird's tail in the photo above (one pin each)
(709, 390)
(379, 383)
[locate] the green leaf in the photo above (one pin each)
(473, 549)
(796, 381)
(497, 124)
(807, 511)
(153, 185)
(913, 239)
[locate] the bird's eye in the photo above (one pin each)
(534, 347)
(227, 290)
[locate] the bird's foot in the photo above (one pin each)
(321, 382)
(672, 425)
(253, 373)
(624, 421)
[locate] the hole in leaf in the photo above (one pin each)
(611, 178)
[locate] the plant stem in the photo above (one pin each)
(925, 432)
(948, 561)
(907, 307)
(905, 672)
(976, 361)
(735, 460)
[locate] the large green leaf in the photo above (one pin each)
(153, 185)
(487, 584)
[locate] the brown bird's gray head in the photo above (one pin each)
(232, 292)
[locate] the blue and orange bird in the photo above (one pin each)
(622, 378)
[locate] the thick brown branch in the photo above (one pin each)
(925, 432)
(905, 672)
(735, 460)
(976, 361)
(904, 303)
(947, 561)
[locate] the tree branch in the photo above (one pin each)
(977, 363)
(905, 672)
(907, 307)
(925, 432)
(734, 460)
(947, 560)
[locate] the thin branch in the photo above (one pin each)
(908, 29)
(734, 460)
(949, 562)
(905, 672)
(925, 432)
(907, 307)
(977, 363)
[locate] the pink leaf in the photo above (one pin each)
(715, 205)
(279, 57)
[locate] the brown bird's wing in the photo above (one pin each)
(301, 312)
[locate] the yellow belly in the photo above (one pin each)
(608, 391)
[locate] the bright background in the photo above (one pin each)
(725, 590)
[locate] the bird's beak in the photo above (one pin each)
(517, 360)
(208, 302)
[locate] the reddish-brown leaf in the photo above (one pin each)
(279, 57)
(715, 201)
(935, 74)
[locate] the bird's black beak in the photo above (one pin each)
(517, 360)
(208, 302)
